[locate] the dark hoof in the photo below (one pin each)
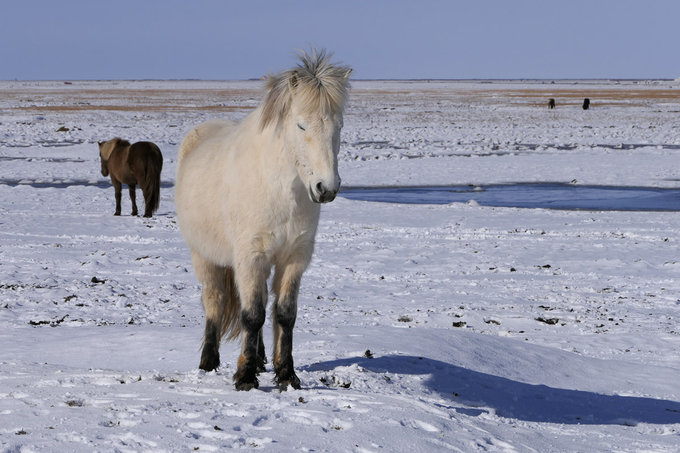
(244, 385)
(209, 360)
(134, 214)
(292, 381)
(245, 378)
(261, 365)
(116, 213)
(147, 215)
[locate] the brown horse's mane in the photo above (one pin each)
(122, 142)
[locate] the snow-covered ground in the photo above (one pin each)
(421, 327)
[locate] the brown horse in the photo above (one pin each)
(140, 163)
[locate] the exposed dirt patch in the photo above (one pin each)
(134, 108)
(625, 95)
(620, 97)
(140, 100)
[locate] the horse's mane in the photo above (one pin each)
(123, 143)
(111, 145)
(321, 85)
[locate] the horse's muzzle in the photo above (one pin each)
(321, 194)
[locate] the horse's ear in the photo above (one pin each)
(348, 73)
(293, 80)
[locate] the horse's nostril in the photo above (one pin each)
(319, 187)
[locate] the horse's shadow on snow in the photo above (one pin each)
(474, 393)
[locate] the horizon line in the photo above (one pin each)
(406, 79)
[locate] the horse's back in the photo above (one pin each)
(146, 150)
(203, 132)
(143, 160)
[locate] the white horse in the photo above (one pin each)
(248, 199)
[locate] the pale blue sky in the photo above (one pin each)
(213, 39)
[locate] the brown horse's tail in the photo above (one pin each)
(151, 183)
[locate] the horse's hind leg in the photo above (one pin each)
(133, 198)
(117, 187)
(213, 297)
(286, 286)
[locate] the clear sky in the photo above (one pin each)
(221, 39)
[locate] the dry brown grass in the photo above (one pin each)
(620, 96)
(129, 100)
(606, 94)
(134, 108)
(629, 97)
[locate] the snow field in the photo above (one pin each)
(420, 327)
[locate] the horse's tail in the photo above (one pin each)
(188, 144)
(230, 323)
(151, 184)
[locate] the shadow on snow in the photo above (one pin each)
(513, 399)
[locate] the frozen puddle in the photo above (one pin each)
(65, 183)
(529, 195)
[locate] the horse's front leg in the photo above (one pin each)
(133, 198)
(251, 281)
(214, 298)
(117, 187)
(286, 287)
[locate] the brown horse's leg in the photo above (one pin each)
(252, 283)
(286, 286)
(213, 297)
(117, 187)
(133, 198)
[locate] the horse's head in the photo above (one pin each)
(305, 105)
(105, 150)
(105, 167)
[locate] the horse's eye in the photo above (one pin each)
(301, 127)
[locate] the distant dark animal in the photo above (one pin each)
(137, 164)
(586, 104)
(551, 103)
